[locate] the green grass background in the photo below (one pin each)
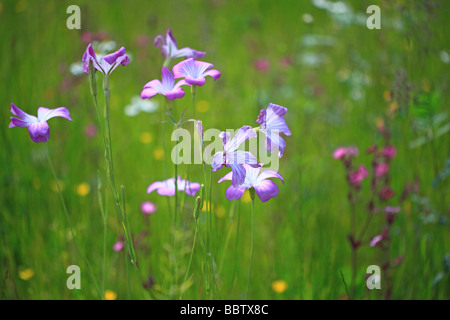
(300, 236)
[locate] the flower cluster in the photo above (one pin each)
(245, 169)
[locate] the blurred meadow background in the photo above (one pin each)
(343, 84)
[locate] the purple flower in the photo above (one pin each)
(167, 87)
(272, 125)
(230, 157)
(37, 126)
(194, 72)
(254, 178)
(170, 50)
(389, 152)
(148, 207)
(106, 64)
(167, 187)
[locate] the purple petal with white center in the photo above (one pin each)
(266, 174)
(25, 118)
(195, 81)
(188, 53)
(39, 131)
(215, 74)
(243, 134)
(233, 193)
(167, 79)
(167, 187)
(174, 94)
(217, 161)
(266, 189)
(241, 157)
(274, 142)
(147, 93)
(45, 114)
(238, 177)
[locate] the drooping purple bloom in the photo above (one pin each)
(272, 125)
(170, 50)
(118, 246)
(233, 158)
(107, 63)
(256, 179)
(37, 126)
(167, 187)
(167, 87)
(194, 72)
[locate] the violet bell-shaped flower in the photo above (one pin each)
(233, 158)
(170, 50)
(272, 125)
(167, 87)
(255, 178)
(37, 126)
(107, 63)
(194, 72)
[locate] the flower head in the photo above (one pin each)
(170, 50)
(345, 153)
(118, 246)
(358, 175)
(167, 187)
(254, 178)
(167, 87)
(233, 158)
(148, 207)
(194, 72)
(389, 152)
(107, 63)
(37, 126)
(272, 125)
(381, 169)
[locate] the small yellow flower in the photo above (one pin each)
(54, 185)
(393, 107)
(246, 197)
(110, 295)
(146, 137)
(26, 274)
(158, 153)
(387, 96)
(83, 189)
(202, 106)
(279, 286)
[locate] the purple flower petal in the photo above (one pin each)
(217, 161)
(215, 74)
(39, 131)
(45, 114)
(226, 177)
(233, 193)
(238, 176)
(266, 174)
(266, 189)
(243, 134)
(196, 82)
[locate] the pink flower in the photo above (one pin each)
(381, 169)
(389, 152)
(344, 152)
(90, 130)
(358, 175)
(261, 65)
(386, 193)
(118, 246)
(148, 207)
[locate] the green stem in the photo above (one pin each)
(252, 239)
(66, 213)
(190, 258)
